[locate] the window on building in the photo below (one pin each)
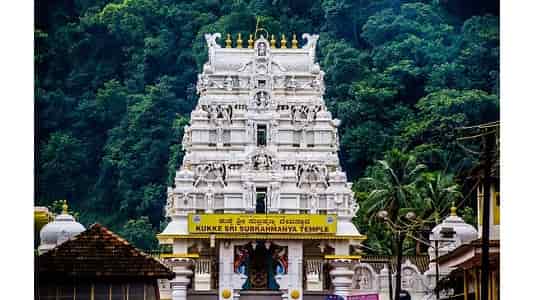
(261, 135)
(260, 206)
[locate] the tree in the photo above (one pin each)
(394, 189)
(393, 184)
(115, 83)
(140, 233)
(431, 135)
(438, 192)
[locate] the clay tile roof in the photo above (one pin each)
(379, 261)
(99, 253)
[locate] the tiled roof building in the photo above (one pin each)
(98, 264)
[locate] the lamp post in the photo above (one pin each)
(404, 227)
(400, 228)
(446, 234)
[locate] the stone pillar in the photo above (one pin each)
(342, 276)
(296, 271)
(228, 287)
(182, 269)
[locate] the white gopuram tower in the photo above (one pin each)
(260, 203)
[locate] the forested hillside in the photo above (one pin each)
(115, 83)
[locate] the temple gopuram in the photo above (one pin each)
(261, 206)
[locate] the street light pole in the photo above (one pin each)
(437, 269)
(390, 279)
(400, 238)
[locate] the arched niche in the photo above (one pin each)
(364, 278)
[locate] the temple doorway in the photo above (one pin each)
(260, 261)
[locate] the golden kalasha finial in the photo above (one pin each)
(65, 208)
(239, 42)
(250, 41)
(453, 209)
(273, 42)
(294, 41)
(283, 42)
(228, 41)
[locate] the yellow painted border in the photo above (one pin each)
(165, 237)
(180, 255)
(331, 256)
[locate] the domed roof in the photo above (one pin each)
(63, 228)
(463, 232)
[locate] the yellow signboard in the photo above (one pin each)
(262, 223)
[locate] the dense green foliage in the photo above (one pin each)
(115, 82)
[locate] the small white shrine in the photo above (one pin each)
(260, 202)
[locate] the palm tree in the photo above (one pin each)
(393, 184)
(394, 188)
(437, 193)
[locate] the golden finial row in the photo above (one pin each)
(240, 43)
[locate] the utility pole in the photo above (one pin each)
(489, 147)
(489, 133)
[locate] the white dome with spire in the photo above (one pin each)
(464, 233)
(63, 228)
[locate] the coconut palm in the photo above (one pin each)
(393, 184)
(394, 188)
(437, 192)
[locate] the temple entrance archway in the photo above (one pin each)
(261, 261)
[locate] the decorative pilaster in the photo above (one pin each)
(179, 284)
(342, 276)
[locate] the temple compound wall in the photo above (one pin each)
(260, 205)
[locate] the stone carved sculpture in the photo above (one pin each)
(304, 113)
(211, 40)
(311, 43)
(313, 201)
(364, 279)
(274, 132)
(408, 280)
(228, 83)
(280, 260)
(170, 201)
(212, 172)
(217, 113)
(250, 131)
(261, 99)
(261, 49)
(249, 195)
(262, 161)
(312, 173)
(274, 195)
(209, 198)
(241, 260)
(292, 84)
(186, 139)
(204, 83)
